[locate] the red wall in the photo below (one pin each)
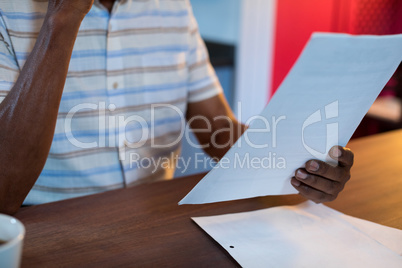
(297, 20)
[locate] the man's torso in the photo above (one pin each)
(126, 91)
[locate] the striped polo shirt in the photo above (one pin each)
(131, 75)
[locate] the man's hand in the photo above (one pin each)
(81, 7)
(319, 181)
(322, 182)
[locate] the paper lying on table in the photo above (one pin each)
(307, 235)
(320, 103)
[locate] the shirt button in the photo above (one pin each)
(115, 85)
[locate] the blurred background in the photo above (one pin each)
(254, 43)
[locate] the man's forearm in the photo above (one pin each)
(29, 112)
(214, 125)
(226, 139)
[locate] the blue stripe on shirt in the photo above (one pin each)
(79, 173)
(151, 13)
(6, 84)
(97, 14)
(117, 53)
(124, 91)
(8, 56)
(23, 16)
(101, 133)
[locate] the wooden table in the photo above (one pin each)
(144, 227)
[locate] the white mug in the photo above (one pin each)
(12, 233)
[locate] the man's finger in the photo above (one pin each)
(344, 156)
(326, 170)
(317, 182)
(311, 193)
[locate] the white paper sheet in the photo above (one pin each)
(321, 102)
(307, 235)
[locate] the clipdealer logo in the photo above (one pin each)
(331, 111)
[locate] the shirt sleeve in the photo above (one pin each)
(203, 82)
(9, 69)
